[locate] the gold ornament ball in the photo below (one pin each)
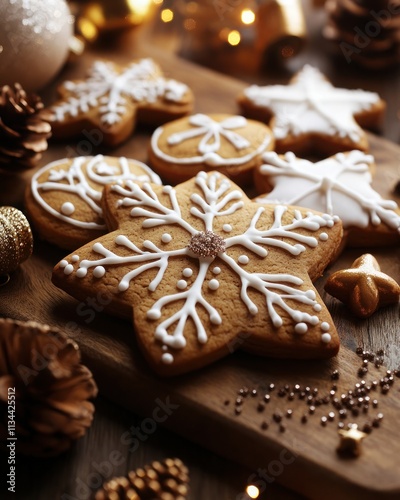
(16, 241)
(34, 41)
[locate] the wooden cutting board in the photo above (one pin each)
(303, 457)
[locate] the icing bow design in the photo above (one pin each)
(212, 131)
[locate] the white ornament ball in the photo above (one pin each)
(34, 38)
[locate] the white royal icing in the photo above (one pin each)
(339, 185)
(213, 284)
(113, 91)
(187, 272)
(326, 338)
(282, 292)
(73, 180)
(166, 238)
(312, 104)
(210, 133)
(67, 208)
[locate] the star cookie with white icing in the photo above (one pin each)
(206, 271)
(64, 198)
(114, 98)
(311, 116)
(230, 144)
(339, 185)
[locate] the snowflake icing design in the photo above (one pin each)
(214, 197)
(113, 91)
(310, 103)
(340, 185)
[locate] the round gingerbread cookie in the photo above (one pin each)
(63, 200)
(206, 271)
(230, 144)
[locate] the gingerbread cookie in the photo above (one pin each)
(310, 115)
(63, 199)
(231, 144)
(339, 185)
(363, 287)
(113, 98)
(206, 271)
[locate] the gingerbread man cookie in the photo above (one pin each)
(113, 98)
(339, 185)
(63, 199)
(310, 115)
(231, 144)
(205, 271)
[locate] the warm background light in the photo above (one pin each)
(167, 15)
(252, 491)
(248, 16)
(234, 37)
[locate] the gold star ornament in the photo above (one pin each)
(350, 441)
(363, 287)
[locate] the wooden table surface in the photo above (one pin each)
(72, 475)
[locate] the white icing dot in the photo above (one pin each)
(75, 258)
(227, 228)
(68, 269)
(323, 236)
(167, 358)
(67, 208)
(326, 338)
(216, 270)
(63, 263)
(164, 348)
(181, 284)
(167, 189)
(330, 223)
(301, 328)
(99, 272)
(317, 307)
(81, 272)
(153, 314)
(166, 238)
(325, 326)
(314, 320)
(187, 272)
(243, 259)
(310, 294)
(336, 218)
(213, 284)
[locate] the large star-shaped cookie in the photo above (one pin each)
(208, 271)
(113, 98)
(339, 185)
(310, 115)
(363, 287)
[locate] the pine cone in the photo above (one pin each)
(51, 388)
(23, 132)
(166, 480)
(361, 34)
